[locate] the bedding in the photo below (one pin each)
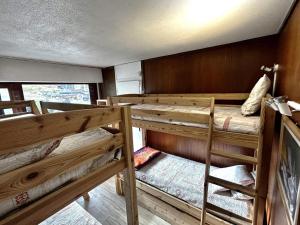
(68, 144)
(226, 118)
(26, 154)
(183, 179)
(144, 155)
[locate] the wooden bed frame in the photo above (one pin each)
(31, 130)
(19, 107)
(253, 141)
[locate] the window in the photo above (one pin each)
(66, 93)
(4, 96)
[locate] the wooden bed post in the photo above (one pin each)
(118, 182)
(129, 172)
(34, 108)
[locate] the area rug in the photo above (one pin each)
(71, 214)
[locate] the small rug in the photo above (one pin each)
(71, 214)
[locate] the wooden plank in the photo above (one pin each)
(193, 132)
(232, 186)
(14, 104)
(43, 127)
(64, 106)
(237, 139)
(129, 173)
(183, 101)
(34, 108)
(216, 96)
(201, 118)
(53, 202)
(237, 157)
(29, 176)
(219, 210)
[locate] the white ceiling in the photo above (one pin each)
(110, 32)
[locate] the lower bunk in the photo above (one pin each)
(170, 185)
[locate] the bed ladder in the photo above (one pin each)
(223, 213)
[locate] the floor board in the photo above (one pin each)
(109, 208)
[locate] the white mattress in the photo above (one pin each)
(226, 118)
(184, 179)
(68, 144)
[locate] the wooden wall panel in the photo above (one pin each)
(288, 84)
(108, 87)
(228, 68)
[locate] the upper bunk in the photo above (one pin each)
(49, 160)
(177, 114)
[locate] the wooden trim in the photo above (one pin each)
(167, 115)
(53, 202)
(43, 127)
(216, 96)
(27, 177)
(20, 104)
(184, 101)
(234, 156)
(64, 106)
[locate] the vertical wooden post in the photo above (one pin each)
(208, 159)
(34, 108)
(129, 172)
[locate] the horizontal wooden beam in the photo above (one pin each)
(232, 186)
(14, 104)
(200, 118)
(44, 127)
(29, 176)
(217, 96)
(180, 130)
(41, 209)
(225, 214)
(65, 106)
(235, 156)
(182, 101)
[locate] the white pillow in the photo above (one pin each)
(236, 174)
(252, 104)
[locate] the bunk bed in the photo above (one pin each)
(83, 154)
(178, 117)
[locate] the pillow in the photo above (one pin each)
(252, 104)
(27, 155)
(235, 174)
(144, 155)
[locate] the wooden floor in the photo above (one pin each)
(109, 208)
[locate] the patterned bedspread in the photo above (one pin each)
(68, 144)
(183, 179)
(226, 118)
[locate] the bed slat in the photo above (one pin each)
(27, 177)
(44, 127)
(168, 115)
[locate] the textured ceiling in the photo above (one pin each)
(110, 32)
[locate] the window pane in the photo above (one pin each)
(4, 96)
(66, 93)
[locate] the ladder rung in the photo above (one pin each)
(213, 208)
(232, 186)
(234, 156)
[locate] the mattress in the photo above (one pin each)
(68, 144)
(184, 179)
(226, 118)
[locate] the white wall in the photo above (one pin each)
(14, 70)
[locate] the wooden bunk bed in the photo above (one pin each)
(249, 140)
(31, 129)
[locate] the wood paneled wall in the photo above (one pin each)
(227, 68)
(108, 87)
(288, 84)
(222, 69)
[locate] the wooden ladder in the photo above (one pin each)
(249, 191)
